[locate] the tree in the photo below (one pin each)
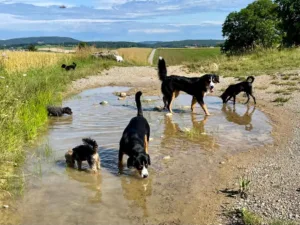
(255, 25)
(289, 13)
(32, 48)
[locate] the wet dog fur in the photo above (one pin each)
(233, 90)
(134, 142)
(86, 152)
(69, 67)
(58, 111)
(195, 86)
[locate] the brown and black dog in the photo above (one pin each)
(134, 141)
(195, 86)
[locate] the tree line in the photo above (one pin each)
(262, 24)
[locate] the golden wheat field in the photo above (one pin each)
(14, 62)
(136, 55)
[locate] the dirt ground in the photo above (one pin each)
(273, 169)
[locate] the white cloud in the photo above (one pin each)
(153, 31)
(6, 19)
(201, 24)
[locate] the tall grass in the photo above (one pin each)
(23, 99)
(262, 62)
(185, 55)
(135, 55)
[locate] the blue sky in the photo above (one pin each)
(117, 20)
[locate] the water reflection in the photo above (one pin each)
(137, 191)
(90, 180)
(196, 133)
(243, 120)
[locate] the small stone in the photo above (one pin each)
(120, 98)
(103, 103)
(5, 206)
(169, 114)
(150, 139)
(147, 100)
(167, 157)
(222, 162)
(123, 94)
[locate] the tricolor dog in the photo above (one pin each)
(195, 86)
(134, 142)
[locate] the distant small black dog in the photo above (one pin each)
(134, 141)
(195, 86)
(86, 152)
(233, 90)
(58, 111)
(69, 67)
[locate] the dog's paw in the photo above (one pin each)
(169, 114)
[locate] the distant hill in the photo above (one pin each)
(65, 41)
(157, 44)
(38, 41)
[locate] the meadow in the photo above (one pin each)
(135, 55)
(258, 63)
(184, 55)
(29, 81)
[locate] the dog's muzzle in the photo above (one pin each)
(144, 173)
(211, 88)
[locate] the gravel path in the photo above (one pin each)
(151, 56)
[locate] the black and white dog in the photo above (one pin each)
(135, 141)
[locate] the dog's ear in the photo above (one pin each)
(148, 159)
(130, 162)
(216, 79)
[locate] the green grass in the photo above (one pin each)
(23, 101)
(281, 100)
(249, 218)
(182, 55)
(263, 62)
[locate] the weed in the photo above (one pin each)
(281, 100)
(244, 187)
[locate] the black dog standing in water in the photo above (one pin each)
(58, 111)
(233, 90)
(195, 86)
(69, 67)
(134, 141)
(86, 152)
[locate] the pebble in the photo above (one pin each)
(222, 162)
(121, 98)
(151, 139)
(5, 206)
(169, 114)
(123, 94)
(167, 157)
(103, 103)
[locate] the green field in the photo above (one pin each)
(183, 55)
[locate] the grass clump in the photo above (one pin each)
(281, 100)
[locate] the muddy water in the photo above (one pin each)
(179, 190)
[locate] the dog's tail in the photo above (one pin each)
(138, 103)
(162, 69)
(250, 79)
(91, 142)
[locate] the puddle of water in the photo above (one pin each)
(59, 195)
